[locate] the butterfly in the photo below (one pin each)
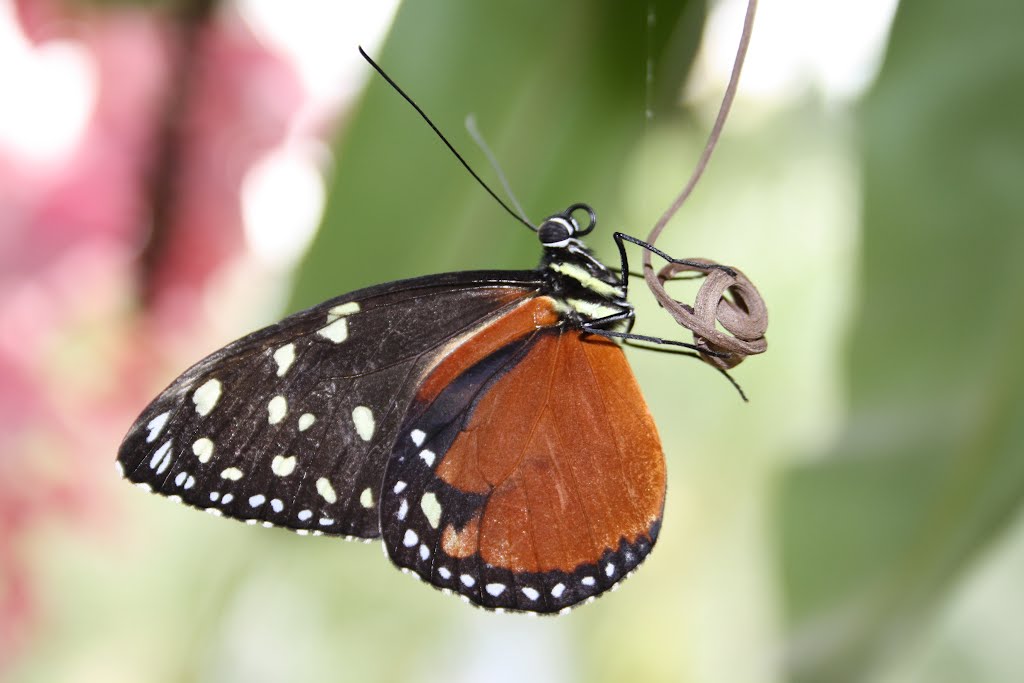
(485, 425)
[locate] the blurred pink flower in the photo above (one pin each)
(78, 359)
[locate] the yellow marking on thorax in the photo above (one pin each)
(581, 275)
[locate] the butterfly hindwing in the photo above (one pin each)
(524, 478)
(293, 425)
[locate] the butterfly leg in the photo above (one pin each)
(621, 237)
(592, 328)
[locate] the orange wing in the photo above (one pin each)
(535, 478)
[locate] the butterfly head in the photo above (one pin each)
(556, 231)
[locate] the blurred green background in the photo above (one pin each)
(858, 520)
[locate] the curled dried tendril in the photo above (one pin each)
(729, 301)
(726, 299)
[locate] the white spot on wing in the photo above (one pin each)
(277, 505)
(180, 479)
(156, 425)
(228, 497)
(283, 465)
(306, 421)
(403, 509)
(588, 581)
(232, 473)
(257, 500)
(444, 573)
(161, 457)
(277, 409)
(399, 487)
(531, 593)
(341, 310)
(495, 589)
(206, 396)
(558, 590)
(424, 552)
(366, 498)
(203, 449)
(305, 515)
(431, 509)
(410, 539)
(336, 331)
(284, 357)
(326, 491)
(362, 418)
(417, 436)
(609, 569)
(428, 456)
(467, 580)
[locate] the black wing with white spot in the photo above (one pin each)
(292, 425)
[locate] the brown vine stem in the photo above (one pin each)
(744, 316)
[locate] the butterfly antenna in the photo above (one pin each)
(478, 138)
(430, 123)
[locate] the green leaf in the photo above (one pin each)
(929, 470)
(558, 91)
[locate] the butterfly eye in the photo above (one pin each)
(556, 231)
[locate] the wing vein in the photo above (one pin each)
(554, 460)
(602, 403)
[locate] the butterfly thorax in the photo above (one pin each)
(584, 289)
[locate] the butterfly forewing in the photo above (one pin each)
(293, 424)
(523, 477)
